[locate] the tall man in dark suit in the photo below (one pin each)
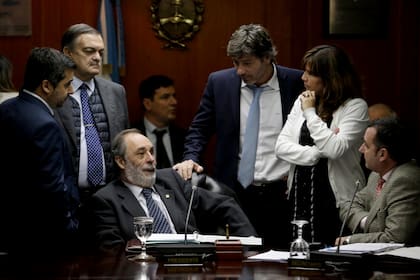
(157, 96)
(38, 194)
(224, 110)
(107, 102)
(115, 205)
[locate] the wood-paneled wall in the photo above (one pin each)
(389, 67)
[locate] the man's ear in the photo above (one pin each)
(147, 103)
(383, 153)
(120, 161)
(46, 87)
(67, 51)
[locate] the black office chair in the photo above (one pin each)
(211, 184)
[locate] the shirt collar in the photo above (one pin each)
(76, 83)
(151, 127)
(136, 190)
(388, 174)
(272, 84)
(40, 98)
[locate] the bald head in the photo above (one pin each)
(380, 111)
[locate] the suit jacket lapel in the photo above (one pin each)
(286, 101)
(236, 99)
(66, 118)
(377, 203)
(129, 201)
(168, 198)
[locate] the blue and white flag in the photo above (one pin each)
(114, 54)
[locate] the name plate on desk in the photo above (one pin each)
(176, 253)
(171, 248)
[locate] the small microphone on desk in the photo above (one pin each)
(194, 183)
(347, 216)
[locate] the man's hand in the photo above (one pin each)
(186, 168)
(344, 240)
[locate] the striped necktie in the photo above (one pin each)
(160, 224)
(380, 185)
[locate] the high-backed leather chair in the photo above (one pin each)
(211, 184)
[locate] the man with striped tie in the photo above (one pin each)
(142, 190)
(388, 208)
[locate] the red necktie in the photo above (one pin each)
(380, 185)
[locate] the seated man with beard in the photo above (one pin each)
(141, 190)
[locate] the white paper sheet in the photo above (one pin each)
(200, 238)
(406, 252)
(272, 255)
(360, 248)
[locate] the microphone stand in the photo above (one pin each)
(194, 181)
(347, 216)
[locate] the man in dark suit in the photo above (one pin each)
(107, 102)
(38, 195)
(115, 205)
(157, 96)
(224, 110)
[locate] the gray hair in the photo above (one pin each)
(251, 39)
(74, 31)
(119, 147)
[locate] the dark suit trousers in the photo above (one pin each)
(268, 209)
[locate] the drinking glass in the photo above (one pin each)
(299, 249)
(143, 227)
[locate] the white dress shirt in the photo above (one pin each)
(268, 167)
(166, 138)
(82, 180)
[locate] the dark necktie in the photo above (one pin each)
(249, 148)
(93, 142)
(160, 224)
(162, 160)
(380, 185)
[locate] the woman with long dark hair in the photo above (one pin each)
(321, 139)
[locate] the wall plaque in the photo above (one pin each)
(176, 21)
(356, 18)
(15, 18)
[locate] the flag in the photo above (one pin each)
(121, 43)
(114, 53)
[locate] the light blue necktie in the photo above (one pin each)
(93, 142)
(160, 224)
(249, 147)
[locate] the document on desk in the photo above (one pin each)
(362, 248)
(272, 255)
(156, 238)
(405, 252)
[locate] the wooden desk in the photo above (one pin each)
(97, 267)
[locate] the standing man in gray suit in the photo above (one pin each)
(107, 102)
(91, 117)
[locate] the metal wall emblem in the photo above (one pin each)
(176, 21)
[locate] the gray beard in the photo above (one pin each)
(137, 177)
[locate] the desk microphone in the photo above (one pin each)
(347, 216)
(194, 183)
